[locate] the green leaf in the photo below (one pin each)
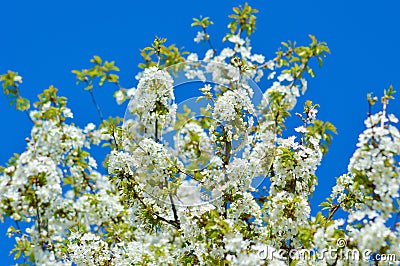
(313, 39)
(97, 60)
(320, 62)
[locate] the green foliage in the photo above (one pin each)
(112, 126)
(157, 44)
(22, 246)
(160, 55)
(206, 90)
(296, 58)
(11, 162)
(183, 117)
(243, 20)
(52, 105)
(49, 95)
(213, 224)
(190, 259)
(388, 94)
(99, 71)
(316, 128)
(202, 22)
(278, 111)
(10, 83)
(371, 99)
(241, 64)
(323, 129)
(287, 156)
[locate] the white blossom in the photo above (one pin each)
(18, 79)
(200, 36)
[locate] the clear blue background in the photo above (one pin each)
(45, 40)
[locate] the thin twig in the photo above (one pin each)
(173, 223)
(96, 105)
(172, 202)
(209, 41)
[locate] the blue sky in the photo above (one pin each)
(45, 40)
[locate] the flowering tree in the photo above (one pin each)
(213, 180)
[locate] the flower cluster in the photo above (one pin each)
(370, 190)
(153, 98)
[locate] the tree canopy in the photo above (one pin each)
(220, 178)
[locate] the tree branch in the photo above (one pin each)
(96, 105)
